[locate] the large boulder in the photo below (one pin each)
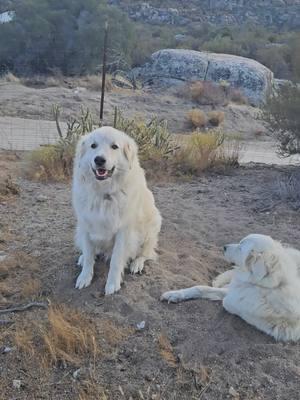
(169, 65)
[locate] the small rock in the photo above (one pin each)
(76, 373)
(2, 256)
(41, 198)
(6, 349)
(234, 393)
(17, 383)
(141, 325)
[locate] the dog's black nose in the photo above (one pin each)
(99, 161)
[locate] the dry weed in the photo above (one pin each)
(166, 351)
(65, 336)
(215, 118)
(9, 78)
(31, 288)
(94, 82)
(196, 90)
(197, 118)
(8, 188)
(236, 96)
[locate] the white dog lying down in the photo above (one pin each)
(115, 210)
(263, 288)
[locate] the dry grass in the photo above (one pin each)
(203, 151)
(205, 93)
(51, 163)
(9, 78)
(236, 96)
(197, 118)
(40, 81)
(90, 389)
(215, 118)
(196, 90)
(8, 188)
(55, 162)
(166, 351)
(31, 288)
(65, 336)
(94, 82)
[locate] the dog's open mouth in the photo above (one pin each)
(101, 173)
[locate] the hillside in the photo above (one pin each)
(282, 14)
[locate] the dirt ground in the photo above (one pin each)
(20, 101)
(193, 350)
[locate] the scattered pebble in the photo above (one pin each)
(17, 383)
(76, 373)
(141, 325)
(6, 349)
(41, 198)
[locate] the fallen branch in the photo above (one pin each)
(23, 308)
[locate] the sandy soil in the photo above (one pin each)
(217, 355)
(20, 101)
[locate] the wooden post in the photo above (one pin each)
(103, 72)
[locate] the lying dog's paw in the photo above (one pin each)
(80, 261)
(173, 296)
(137, 265)
(112, 287)
(83, 280)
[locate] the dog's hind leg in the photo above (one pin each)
(195, 292)
(146, 253)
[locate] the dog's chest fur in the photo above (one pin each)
(103, 216)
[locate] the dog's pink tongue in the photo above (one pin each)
(101, 172)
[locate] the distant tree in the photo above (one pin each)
(282, 113)
(62, 34)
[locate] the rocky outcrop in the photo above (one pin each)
(168, 66)
(279, 13)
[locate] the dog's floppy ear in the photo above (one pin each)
(256, 265)
(130, 151)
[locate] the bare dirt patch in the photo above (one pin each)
(20, 101)
(193, 350)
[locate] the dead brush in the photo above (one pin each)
(215, 118)
(197, 118)
(166, 350)
(9, 77)
(8, 188)
(199, 152)
(205, 93)
(55, 162)
(66, 336)
(203, 151)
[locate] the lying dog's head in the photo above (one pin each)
(258, 255)
(106, 152)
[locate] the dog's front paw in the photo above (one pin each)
(112, 287)
(137, 265)
(84, 280)
(173, 296)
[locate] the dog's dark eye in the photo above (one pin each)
(114, 146)
(93, 145)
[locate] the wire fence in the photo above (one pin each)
(26, 134)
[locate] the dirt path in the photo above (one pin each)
(215, 351)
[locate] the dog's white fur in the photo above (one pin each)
(116, 217)
(263, 288)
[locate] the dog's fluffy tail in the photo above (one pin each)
(195, 292)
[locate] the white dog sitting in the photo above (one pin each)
(115, 210)
(263, 288)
